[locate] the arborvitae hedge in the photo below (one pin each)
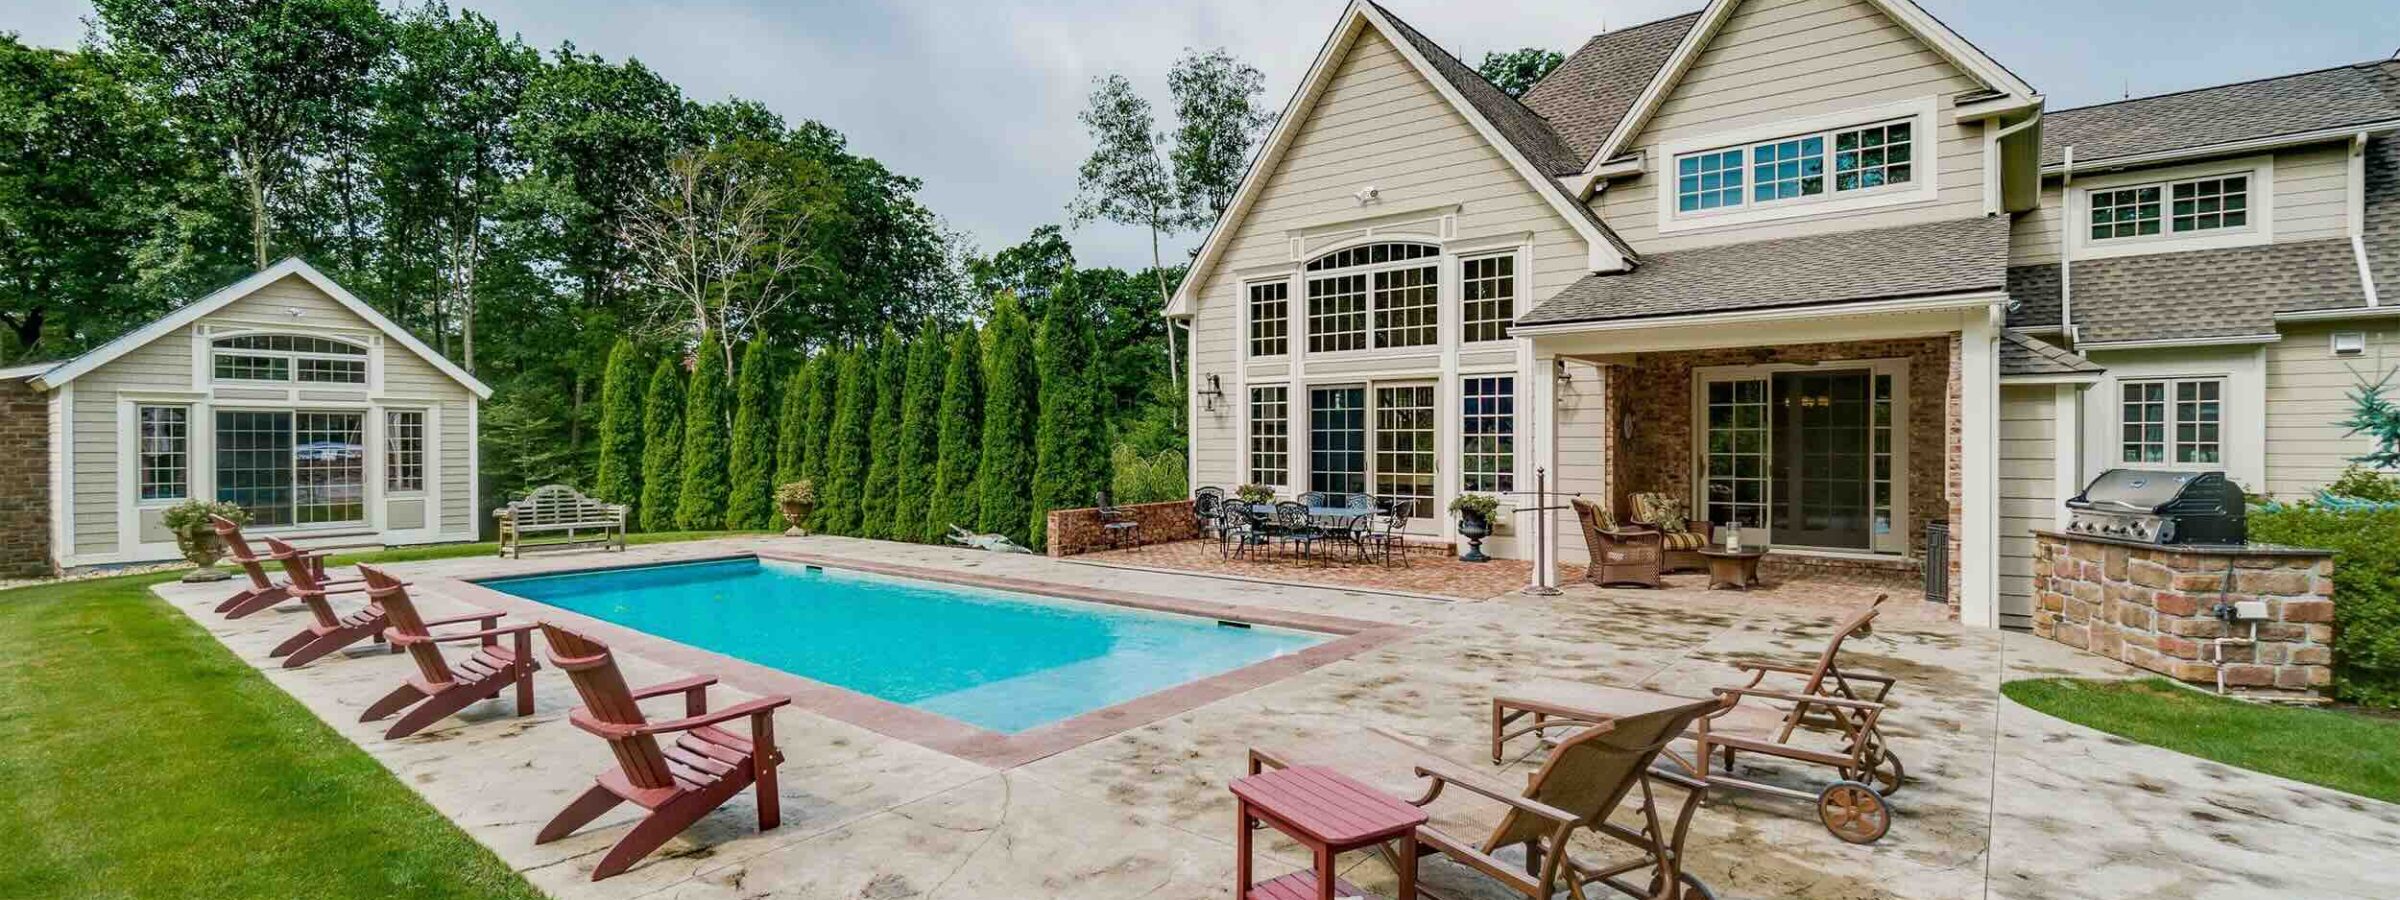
(959, 431)
(662, 448)
(817, 424)
(846, 446)
(750, 497)
(702, 503)
(883, 438)
(920, 433)
(1005, 477)
(620, 476)
(1065, 411)
(791, 423)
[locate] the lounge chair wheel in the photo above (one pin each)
(1854, 812)
(1694, 888)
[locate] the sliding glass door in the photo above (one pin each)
(1337, 439)
(1805, 456)
(293, 468)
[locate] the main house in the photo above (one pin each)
(1822, 267)
(282, 393)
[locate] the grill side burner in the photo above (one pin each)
(2161, 507)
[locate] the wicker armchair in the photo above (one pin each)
(1681, 537)
(1620, 555)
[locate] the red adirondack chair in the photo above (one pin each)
(678, 784)
(327, 630)
(263, 592)
(438, 690)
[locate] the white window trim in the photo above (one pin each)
(1516, 430)
(1443, 262)
(2260, 230)
(2225, 432)
(427, 442)
(1291, 444)
(1893, 542)
(368, 374)
(370, 475)
(1921, 113)
(1519, 277)
(1290, 297)
(191, 447)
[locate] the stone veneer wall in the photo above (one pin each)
(2153, 607)
(1074, 531)
(1657, 390)
(24, 481)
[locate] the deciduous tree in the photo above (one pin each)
(1517, 71)
(1217, 121)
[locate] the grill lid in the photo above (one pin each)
(2134, 491)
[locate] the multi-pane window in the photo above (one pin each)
(292, 468)
(165, 452)
(254, 464)
(1337, 439)
(1786, 169)
(1395, 303)
(1488, 293)
(2180, 207)
(1795, 167)
(1271, 435)
(278, 357)
(329, 467)
(1488, 430)
(1270, 318)
(1872, 157)
(1705, 181)
(1737, 452)
(1404, 444)
(2178, 421)
(1881, 491)
(404, 451)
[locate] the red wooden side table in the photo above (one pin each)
(1329, 814)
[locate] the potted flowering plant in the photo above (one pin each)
(797, 500)
(1475, 522)
(197, 538)
(1254, 494)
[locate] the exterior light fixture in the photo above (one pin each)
(1214, 393)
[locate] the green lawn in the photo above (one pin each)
(140, 758)
(2338, 749)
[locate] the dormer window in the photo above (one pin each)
(1794, 168)
(288, 358)
(2179, 207)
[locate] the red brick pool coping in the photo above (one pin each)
(940, 733)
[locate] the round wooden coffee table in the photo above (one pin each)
(1732, 570)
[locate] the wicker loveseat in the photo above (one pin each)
(1679, 534)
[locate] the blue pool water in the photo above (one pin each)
(995, 659)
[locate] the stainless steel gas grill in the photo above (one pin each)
(2156, 507)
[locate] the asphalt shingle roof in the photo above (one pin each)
(2194, 294)
(2022, 354)
(1948, 257)
(2288, 104)
(1589, 92)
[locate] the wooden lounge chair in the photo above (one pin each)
(263, 592)
(679, 784)
(327, 630)
(1577, 788)
(437, 690)
(1846, 705)
(1619, 555)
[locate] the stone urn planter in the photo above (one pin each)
(1474, 523)
(796, 501)
(196, 537)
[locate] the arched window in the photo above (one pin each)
(288, 357)
(1379, 295)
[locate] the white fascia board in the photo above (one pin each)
(1777, 314)
(2075, 378)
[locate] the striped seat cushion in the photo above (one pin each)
(1685, 540)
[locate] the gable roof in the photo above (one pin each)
(1585, 96)
(191, 312)
(1514, 131)
(2024, 356)
(1930, 31)
(2360, 94)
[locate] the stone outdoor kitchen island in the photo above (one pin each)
(2155, 607)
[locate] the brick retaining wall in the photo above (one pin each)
(1074, 531)
(2153, 607)
(24, 481)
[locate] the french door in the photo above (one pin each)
(1803, 456)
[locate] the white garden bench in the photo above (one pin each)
(557, 508)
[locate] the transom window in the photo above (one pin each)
(2177, 207)
(1394, 303)
(1270, 318)
(1271, 435)
(404, 451)
(165, 452)
(1488, 287)
(1488, 453)
(286, 357)
(2173, 420)
(1794, 167)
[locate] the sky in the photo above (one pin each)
(978, 98)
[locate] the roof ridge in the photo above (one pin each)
(2230, 84)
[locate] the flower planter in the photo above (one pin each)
(1474, 527)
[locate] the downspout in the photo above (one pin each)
(2358, 216)
(2066, 260)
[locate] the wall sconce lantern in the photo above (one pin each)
(1559, 367)
(1210, 397)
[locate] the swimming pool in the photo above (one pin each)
(998, 660)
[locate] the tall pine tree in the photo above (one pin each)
(701, 504)
(620, 477)
(824, 397)
(920, 432)
(1064, 408)
(662, 447)
(1006, 474)
(791, 423)
(846, 447)
(750, 497)
(883, 438)
(957, 438)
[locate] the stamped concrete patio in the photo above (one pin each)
(2003, 802)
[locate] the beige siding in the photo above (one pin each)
(1781, 60)
(1376, 123)
(459, 515)
(1582, 462)
(2028, 487)
(2311, 202)
(2033, 237)
(2307, 391)
(161, 365)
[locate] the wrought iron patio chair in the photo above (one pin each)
(1295, 527)
(1384, 542)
